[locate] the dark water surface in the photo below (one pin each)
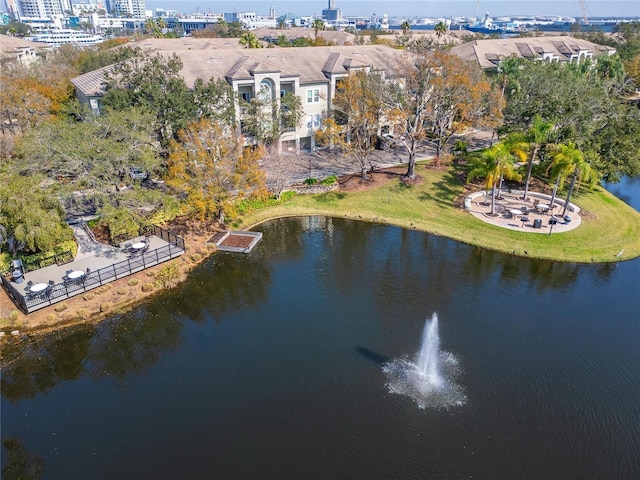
(269, 366)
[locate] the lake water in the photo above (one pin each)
(271, 366)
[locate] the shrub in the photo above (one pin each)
(169, 275)
(311, 181)
(133, 282)
(61, 307)
(147, 287)
(196, 257)
(330, 180)
(121, 291)
(88, 297)
(105, 307)
(14, 315)
(84, 313)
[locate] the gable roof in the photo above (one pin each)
(311, 65)
(488, 53)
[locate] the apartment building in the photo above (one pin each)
(42, 8)
(562, 48)
(131, 8)
(310, 73)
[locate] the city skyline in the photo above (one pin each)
(410, 8)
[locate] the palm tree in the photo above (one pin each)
(405, 27)
(440, 29)
(249, 40)
(494, 164)
(568, 160)
(318, 24)
(538, 134)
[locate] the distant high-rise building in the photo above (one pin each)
(332, 13)
(133, 8)
(43, 8)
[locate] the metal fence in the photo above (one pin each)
(58, 292)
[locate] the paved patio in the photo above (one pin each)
(92, 255)
(94, 265)
(510, 211)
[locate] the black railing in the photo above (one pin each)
(31, 264)
(60, 291)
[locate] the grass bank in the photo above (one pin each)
(609, 226)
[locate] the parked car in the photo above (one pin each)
(388, 140)
(137, 173)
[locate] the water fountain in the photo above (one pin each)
(428, 355)
(429, 378)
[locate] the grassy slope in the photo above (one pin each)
(608, 224)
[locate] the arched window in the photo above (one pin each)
(266, 90)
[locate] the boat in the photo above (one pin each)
(64, 36)
(488, 27)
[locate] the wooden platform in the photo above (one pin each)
(236, 241)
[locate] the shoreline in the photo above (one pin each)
(125, 294)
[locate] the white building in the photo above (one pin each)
(132, 8)
(42, 8)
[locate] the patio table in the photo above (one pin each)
(543, 207)
(138, 246)
(75, 274)
(38, 287)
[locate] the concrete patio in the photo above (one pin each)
(510, 211)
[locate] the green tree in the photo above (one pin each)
(318, 24)
(629, 32)
(601, 127)
(495, 164)
(568, 161)
(33, 222)
(440, 30)
(249, 40)
(267, 117)
(214, 100)
(539, 135)
(152, 82)
(405, 27)
(95, 154)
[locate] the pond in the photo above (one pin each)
(275, 365)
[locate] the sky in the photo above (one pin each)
(411, 8)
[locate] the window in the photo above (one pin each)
(246, 96)
(313, 121)
(313, 96)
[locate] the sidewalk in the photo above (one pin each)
(323, 163)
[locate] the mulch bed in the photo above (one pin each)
(240, 241)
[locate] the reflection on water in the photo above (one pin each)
(628, 190)
(268, 365)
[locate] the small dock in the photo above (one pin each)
(236, 241)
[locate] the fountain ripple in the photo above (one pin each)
(429, 380)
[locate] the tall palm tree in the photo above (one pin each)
(568, 161)
(405, 27)
(318, 24)
(440, 30)
(494, 164)
(538, 134)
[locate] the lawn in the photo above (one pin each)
(609, 226)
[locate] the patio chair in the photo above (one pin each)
(51, 283)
